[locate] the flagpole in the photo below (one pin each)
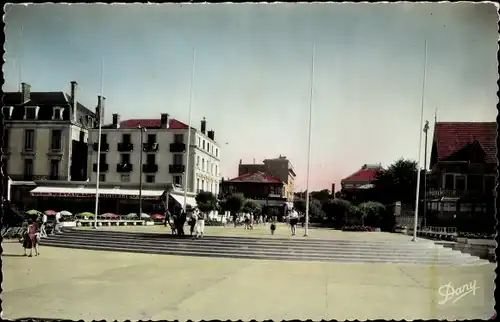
(99, 147)
(417, 197)
(20, 71)
(309, 142)
(186, 171)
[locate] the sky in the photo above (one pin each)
(253, 67)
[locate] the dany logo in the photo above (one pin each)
(450, 293)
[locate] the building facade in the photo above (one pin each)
(280, 168)
(362, 178)
(45, 135)
(163, 145)
(266, 190)
(462, 179)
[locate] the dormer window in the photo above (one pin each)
(7, 112)
(90, 121)
(57, 113)
(31, 112)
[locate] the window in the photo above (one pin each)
(125, 178)
(102, 158)
(203, 164)
(460, 183)
(208, 146)
(151, 138)
(82, 136)
(126, 138)
(29, 140)
(56, 140)
(151, 159)
(30, 113)
(150, 179)
(199, 142)
(211, 168)
(489, 184)
(216, 173)
(198, 184)
(57, 114)
(178, 180)
(449, 182)
(203, 144)
(7, 112)
(203, 185)
(474, 182)
(104, 138)
(54, 168)
(179, 138)
(125, 158)
(216, 152)
(102, 177)
(28, 167)
(198, 161)
(177, 159)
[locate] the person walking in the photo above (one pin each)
(193, 217)
(57, 228)
(43, 223)
(200, 224)
(180, 223)
(294, 219)
(30, 240)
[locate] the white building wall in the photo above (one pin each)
(164, 158)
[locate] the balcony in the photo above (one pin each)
(104, 146)
(125, 147)
(103, 167)
(124, 167)
(150, 147)
(176, 168)
(177, 147)
(150, 168)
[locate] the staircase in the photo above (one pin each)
(335, 250)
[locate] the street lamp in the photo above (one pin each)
(426, 128)
(142, 129)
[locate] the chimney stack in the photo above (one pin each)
(25, 92)
(72, 110)
(116, 121)
(99, 110)
(333, 189)
(165, 120)
(203, 125)
(211, 135)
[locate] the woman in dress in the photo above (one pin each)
(30, 240)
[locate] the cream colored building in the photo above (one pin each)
(164, 159)
(45, 135)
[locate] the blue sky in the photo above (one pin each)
(253, 67)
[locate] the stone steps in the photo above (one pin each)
(363, 251)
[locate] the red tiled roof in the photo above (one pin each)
(363, 175)
(450, 137)
(260, 177)
(152, 123)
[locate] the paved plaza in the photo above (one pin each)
(81, 284)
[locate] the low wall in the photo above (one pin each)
(100, 222)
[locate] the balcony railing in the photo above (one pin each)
(150, 168)
(124, 167)
(176, 168)
(103, 167)
(125, 147)
(104, 146)
(177, 147)
(150, 147)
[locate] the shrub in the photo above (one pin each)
(212, 222)
(475, 235)
(357, 228)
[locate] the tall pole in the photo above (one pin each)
(99, 148)
(20, 71)
(306, 230)
(417, 197)
(186, 171)
(426, 128)
(140, 170)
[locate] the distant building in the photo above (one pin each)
(263, 188)
(280, 168)
(362, 178)
(463, 167)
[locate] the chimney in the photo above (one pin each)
(165, 120)
(99, 110)
(72, 109)
(333, 189)
(25, 92)
(116, 121)
(211, 135)
(203, 126)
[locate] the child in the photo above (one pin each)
(273, 227)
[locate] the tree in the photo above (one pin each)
(322, 196)
(397, 183)
(315, 211)
(234, 203)
(252, 207)
(338, 211)
(371, 213)
(206, 201)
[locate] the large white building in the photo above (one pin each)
(164, 160)
(45, 135)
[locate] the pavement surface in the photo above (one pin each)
(80, 284)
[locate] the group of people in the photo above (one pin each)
(194, 217)
(36, 231)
